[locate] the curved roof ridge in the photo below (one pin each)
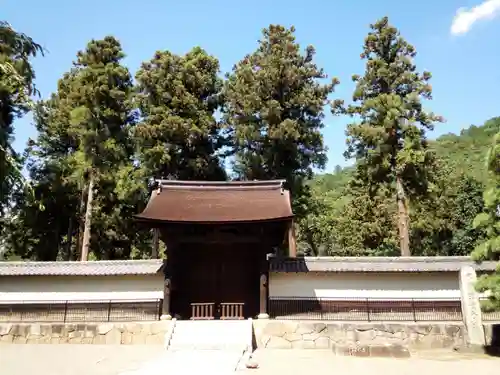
(218, 202)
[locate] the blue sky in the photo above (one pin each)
(461, 50)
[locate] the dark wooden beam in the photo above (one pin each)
(165, 309)
(292, 241)
(263, 297)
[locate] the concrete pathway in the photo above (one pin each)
(149, 359)
(191, 362)
(300, 362)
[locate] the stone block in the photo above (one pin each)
(399, 351)
(352, 350)
(120, 327)
(99, 340)
(90, 330)
(103, 329)
(303, 344)
(264, 339)
(322, 342)
(5, 329)
(133, 328)
(158, 339)
(159, 327)
(57, 330)
(19, 330)
(383, 350)
(276, 328)
(389, 350)
(126, 338)
(140, 338)
(44, 340)
(305, 328)
(67, 328)
(310, 336)
(81, 327)
(351, 336)
(6, 339)
(335, 332)
(292, 336)
(368, 327)
(75, 339)
(146, 327)
(366, 335)
(46, 330)
(277, 342)
(113, 337)
(75, 334)
(319, 327)
(421, 329)
(20, 340)
(453, 330)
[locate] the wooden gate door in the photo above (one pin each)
(218, 282)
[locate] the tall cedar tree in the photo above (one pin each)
(274, 101)
(389, 143)
(489, 221)
(179, 136)
(47, 234)
(16, 87)
(100, 97)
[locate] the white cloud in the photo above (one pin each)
(465, 18)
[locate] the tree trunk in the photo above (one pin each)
(69, 239)
(403, 218)
(156, 243)
(88, 220)
(81, 224)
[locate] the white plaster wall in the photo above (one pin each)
(386, 285)
(80, 288)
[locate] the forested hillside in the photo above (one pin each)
(443, 229)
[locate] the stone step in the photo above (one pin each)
(211, 335)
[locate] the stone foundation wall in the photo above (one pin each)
(344, 338)
(89, 333)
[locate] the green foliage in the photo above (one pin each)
(178, 96)
(489, 221)
(442, 223)
(389, 141)
(465, 152)
(274, 113)
(98, 126)
(16, 87)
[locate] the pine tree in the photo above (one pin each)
(389, 142)
(100, 98)
(179, 136)
(274, 101)
(489, 221)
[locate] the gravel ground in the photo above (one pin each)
(75, 359)
(115, 360)
(295, 362)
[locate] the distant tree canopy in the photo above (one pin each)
(101, 139)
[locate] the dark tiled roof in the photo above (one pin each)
(90, 268)
(218, 202)
(376, 264)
